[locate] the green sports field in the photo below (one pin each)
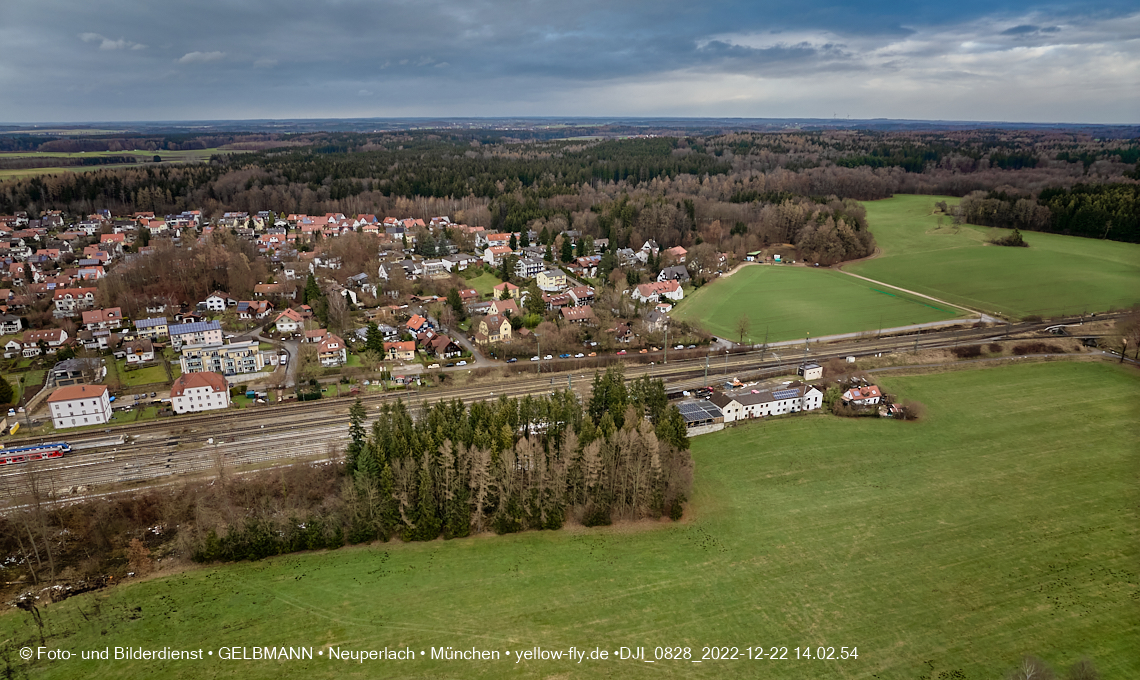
(1054, 275)
(789, 302)
(1003, 524)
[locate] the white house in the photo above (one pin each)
(331, 351)
(289, 321)
(653, 292)
(78, 405)
(194, 392)
(863, 396)
(761, 403)
(218, 301)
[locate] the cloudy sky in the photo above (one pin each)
(72, 60)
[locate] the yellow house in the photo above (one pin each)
(505, 290)
(551, 280)
(493, 328)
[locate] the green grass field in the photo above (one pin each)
(793, 302)
(1003, 524)
(1054, 275)
(484, 283)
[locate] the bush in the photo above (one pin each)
(597, 516)
(967, 352)
(1013, 240)
(913, 410)
(995, 348)
(1037, 348)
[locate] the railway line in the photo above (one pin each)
(135, 455)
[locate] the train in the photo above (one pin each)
(23, 454)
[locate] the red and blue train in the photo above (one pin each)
(23, 454)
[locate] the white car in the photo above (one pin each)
(548, 357)
(679, 347)
(434, 366)
(534, 358)
(461, 363)
(579, 355)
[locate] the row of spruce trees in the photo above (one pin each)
(504, 466)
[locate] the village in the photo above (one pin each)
(432, 296)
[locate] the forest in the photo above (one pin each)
(739, 191)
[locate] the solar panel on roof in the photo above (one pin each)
(786, 394)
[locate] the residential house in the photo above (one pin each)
(315, 335)
(444, 347)
(494, 255)
(100, 319)
(578, 314)
(29, 346)
(581, 296)
(674, 273)
(76, 371)
(275, 290)
(289, 321)
(201, 391)
(196, 333)
(551, 280)
(529, 267)
(152, 328)
(10, 324)
(71, 301)
(507, 307)
(677, 253)
(235, 357)
(78, 405)
(401, 351)
(254, 310)
(458, 262)
(504, 290)
(653, 292)
(656, 321)
(493, 328)
(139, 351)
(418, 323)
(219, 301)
(331, 351)
(863, 396)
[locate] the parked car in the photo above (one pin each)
(644, 351)
(435, 366)
(579, 355)
(451, 365)
(461, 363)
(548, 357)
(592, 354)
(512, 360)
(563, 356)
(621, 352)
(692, 346)
(534, 358)
(679, 347)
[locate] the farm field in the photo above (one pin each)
(143, 157)
(1003, 524)
(1055, 275)
(792, 302)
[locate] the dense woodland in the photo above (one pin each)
(739, 191)
(453, 470)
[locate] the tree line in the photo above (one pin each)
(510, 465)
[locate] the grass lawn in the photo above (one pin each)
(1054, 275)
(484, 283)
(792, 302)
(142, 376)
(1003, 524)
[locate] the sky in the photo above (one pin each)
(136, 60)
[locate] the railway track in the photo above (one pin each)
(189, 445)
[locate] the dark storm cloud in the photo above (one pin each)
(130, 59)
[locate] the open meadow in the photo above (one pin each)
(142, 157)
(787, 302)
(1005, 523)
(925, 252)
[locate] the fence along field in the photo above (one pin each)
(1003, 524)
(1055, 275)
(786, 302)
